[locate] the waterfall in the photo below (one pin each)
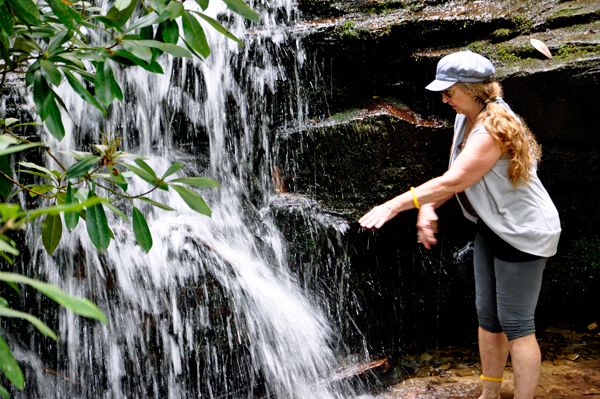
(213, 310)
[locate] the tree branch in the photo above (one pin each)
(47, 149)
(3, 80)
(22, 186)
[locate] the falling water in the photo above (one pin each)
(213, 309)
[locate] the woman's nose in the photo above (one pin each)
(445, 98)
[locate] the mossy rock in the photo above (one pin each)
(352, 165)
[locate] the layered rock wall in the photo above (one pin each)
(375, 132)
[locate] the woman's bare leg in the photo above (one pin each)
(526, 362)
(493, 349)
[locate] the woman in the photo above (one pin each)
(493, 174)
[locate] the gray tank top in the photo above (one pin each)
(525, 217)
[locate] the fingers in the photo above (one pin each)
(426, 237)
(376, 217)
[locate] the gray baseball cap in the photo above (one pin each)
(463, 66)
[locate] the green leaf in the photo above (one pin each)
(126, 58)
(71, 218)
(108, 22)
(147, 33)
(118, 177)
(54, 121)
(39, 188)
(97, 226)
(51, 232)
(82, 91)
(6, 140)
(73, 63)
(140, 162)
(65, 14)
(168, 32)
(200, 182)
(10, 121)
(9, 210)
(4, 392)
(42, 96)
(5, 184)
(156, 204)
(32, 165)
(4, 44)
(27, 11)
(17, 148)
(6, 21)
(83, 73)
(44, 329)
(10, 367)
(219, 27)
(55, 209)
(239, 7)
(117, 211)
(77, 154)
(107, 88)
(175, 9)
(141, 230)
(61, 198)
(29, 172)
(123, 154)
(194, 34)
(158, 5)
(139, 50)
(167, 48)
(81, 168)
(22, 47)
(120, 17)
(57, 41)
(141, 173)
(122, 4)
(80, 306)
(7, 247)
(193, 200)
(203, 4)
(3, 302)
(147, 20)
(176, 167)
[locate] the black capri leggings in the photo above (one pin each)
(506, 292)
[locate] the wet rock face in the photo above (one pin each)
(350, 159)
(354, 164)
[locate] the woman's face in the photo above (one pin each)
(460, 100)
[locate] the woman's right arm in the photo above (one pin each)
(427, 223)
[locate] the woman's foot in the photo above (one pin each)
(491, 390)
(489, 396)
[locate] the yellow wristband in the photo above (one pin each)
(414, 198)
(491, 378)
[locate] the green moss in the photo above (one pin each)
(571, 50)
(346, 115)
(565, 12)
(349, 30)
(523, 22)
(501, 32)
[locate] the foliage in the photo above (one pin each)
(49, 42)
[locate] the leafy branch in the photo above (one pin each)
(44, 40)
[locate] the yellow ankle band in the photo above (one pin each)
(491, 378)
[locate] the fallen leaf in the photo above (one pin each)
(541, 47)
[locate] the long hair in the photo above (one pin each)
(511, 133)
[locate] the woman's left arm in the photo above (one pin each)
(479, 155)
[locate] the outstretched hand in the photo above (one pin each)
(377, 216)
